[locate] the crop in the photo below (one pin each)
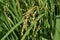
(29, 19)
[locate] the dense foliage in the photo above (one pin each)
(29, 19)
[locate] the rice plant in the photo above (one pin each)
(29, 19)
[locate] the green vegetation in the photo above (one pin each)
(29, 19)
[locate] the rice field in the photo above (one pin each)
(29, 19)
